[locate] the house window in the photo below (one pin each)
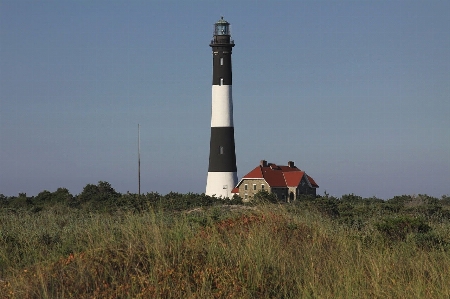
(245, 187)
(246, 196)
(221, 150)
(221, 60)
(262, 186)
(254, 186)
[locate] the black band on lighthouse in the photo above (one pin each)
(222, 154)
(222, 67)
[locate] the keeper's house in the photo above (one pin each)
(286, 182)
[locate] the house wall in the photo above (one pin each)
(303, 188)
(282, 193)
(250, 192)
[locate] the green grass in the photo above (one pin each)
(310, 249)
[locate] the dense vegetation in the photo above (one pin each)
(103, 244)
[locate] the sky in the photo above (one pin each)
(356, 93)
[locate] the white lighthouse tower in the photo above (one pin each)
(222, 170)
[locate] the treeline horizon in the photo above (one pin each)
(103, 190)
(103, 197)
(107, 185)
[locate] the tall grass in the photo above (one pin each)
(268, 251)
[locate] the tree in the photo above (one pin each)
(62, 195)
(100, 192)
(44, 196)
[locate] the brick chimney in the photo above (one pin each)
(291, 164)
(263, 163)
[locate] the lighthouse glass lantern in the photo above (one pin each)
(222, 27)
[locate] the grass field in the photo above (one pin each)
(309, 249)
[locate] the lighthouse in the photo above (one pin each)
(222, 170)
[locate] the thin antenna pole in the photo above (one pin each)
(139, 160)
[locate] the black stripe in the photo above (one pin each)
(222, 160)
(222, 70)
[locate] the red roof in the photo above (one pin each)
(254, 174)
(313, 183)
(293, 178)
(274, 176)
(279, 176)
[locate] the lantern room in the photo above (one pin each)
(222, 27)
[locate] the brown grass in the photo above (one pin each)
(261, 253)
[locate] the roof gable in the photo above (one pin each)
(312, 182)
(293, 178)
(254, 174)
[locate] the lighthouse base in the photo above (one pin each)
(220, 184)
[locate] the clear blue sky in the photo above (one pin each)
(357, 93)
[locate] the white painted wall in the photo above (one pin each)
(222, 106)
(216, 181)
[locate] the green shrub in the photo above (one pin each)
(430, 240)
(351, 198)
(397, 228)
(445, 200)
(103, 191)
(305, 197)
(401, 199)
(262, 196)
(327, 206)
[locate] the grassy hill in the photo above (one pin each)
(56, 245)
